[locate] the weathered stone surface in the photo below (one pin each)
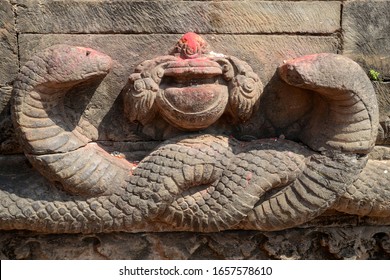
(366, 26)
(8, 48)
(8, 71)
(380, 152)
(383, 94)
(8, 142)
(177, 16)
(5, 96)
(311, 243)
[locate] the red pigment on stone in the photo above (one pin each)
(192, 40)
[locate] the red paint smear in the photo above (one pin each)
(303, 59)
(248, 176)
(192, 40)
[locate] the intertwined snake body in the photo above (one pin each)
(192, 182)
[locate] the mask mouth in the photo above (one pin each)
(196, 100)
(190, 82)
(192, 73)
(202, 109)
(193, 93)
(197, 68)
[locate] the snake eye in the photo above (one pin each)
(87, 53)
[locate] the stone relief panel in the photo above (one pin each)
(213, 148)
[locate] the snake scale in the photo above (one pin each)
(192, 182)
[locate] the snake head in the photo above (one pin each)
(74, 64)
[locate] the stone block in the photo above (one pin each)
(8, 45)
(366, 26)
(131, 16)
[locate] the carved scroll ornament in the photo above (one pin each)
(196, 181)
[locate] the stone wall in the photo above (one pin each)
(263, 33)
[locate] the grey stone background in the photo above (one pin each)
(263, 33)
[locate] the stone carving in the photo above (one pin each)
(191, 89)
(198, 178)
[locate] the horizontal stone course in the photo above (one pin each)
(61, 16)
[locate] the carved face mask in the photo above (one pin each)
(192, 88)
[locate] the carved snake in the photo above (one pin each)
(197, 183)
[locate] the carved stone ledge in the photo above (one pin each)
(212, 149)
(310, 243)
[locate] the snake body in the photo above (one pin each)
(192, 182)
